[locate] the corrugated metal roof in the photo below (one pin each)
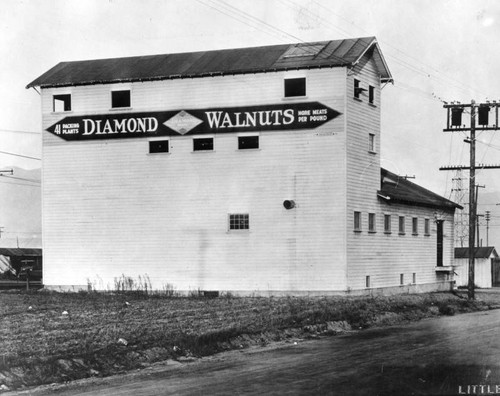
(23, 252)
(399, 190)
(205, 63)
(479, 252)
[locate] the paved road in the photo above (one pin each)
(432, 357)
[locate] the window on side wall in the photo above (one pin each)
(402, 225)
(387, 224)
(120, 99)
(371, 222)
(357, 88)
(239, 221)
(357, 221)
(371, 94)
(61, 103)
(371, 143)
(295, 87)
(427, 227)
(414, 226)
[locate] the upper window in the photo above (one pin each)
(357, 88)
(295, 87)
(248, 142)
(61, 103)
(158, 146)
(414, 227)
(203, 144)
(120, 99)
(239, 222)
(371, 94)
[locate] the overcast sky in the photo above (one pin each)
(436, 50)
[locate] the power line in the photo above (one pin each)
(20, 155)
(19, 131)
(22, 178)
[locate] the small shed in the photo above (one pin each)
(13, 260)
(486, 268)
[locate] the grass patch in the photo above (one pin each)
(51, 337)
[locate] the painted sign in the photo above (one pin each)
(221, 120)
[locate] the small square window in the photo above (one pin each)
(158, 146)
(295, 87)
(61, 103)
(371, 143)
(357, 221)
(248, 142)
(414, 227)
(402, 229)
(371, 94)
(120, 99)
(239, 222)
(387, 224)
(371, 222)
(203, 144)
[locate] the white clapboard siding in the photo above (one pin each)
(110, 208)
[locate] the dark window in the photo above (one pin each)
(367, 281)
(402, 225)
(414, 277)
(371, 222)
(158, 146)
(414, 228)
(371, 94)
(62, 103)
(239, 222)
(427, 227)
(357, 89)
(295, 87)
(203, 144)
(387, 224)
(401, 279)
(120, 99)
(248, 142)
(357, 221)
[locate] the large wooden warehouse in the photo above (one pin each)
(251, 170)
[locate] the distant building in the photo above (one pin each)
(250, 170)
(486, 267)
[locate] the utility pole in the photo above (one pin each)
(454, 124)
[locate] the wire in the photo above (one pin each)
(20, 155)
(19, 131)
(21, 178)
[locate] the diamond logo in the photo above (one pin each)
(183, 122)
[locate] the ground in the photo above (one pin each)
(57, 337)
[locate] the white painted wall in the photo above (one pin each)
(110, 208)
(482, 272)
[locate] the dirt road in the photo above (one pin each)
(442, 356)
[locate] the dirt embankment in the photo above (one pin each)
(58, 337)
